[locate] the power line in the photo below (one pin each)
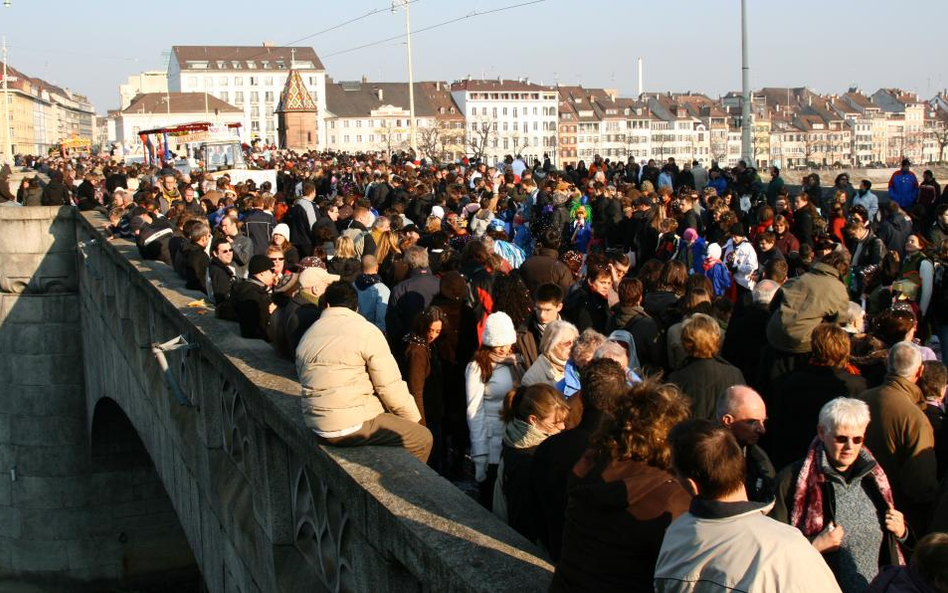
(470, 15)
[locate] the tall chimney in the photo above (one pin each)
(381, 94)
(641, 84)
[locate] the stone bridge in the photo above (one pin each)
(114, 472)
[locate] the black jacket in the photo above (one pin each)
(704, 380)
(553, 462)
(56, 194)
(252, 303)
(585, 308)
(196, 262)
(794, 407)
(258, 225)
(290, 322)
(222, 280)
(746, 337)
(544, 267)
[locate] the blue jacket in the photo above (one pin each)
(720, 278)
(719, 184)
(696, 255)
(903, 188)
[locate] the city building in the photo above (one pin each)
(507, 117)
(250, 78)
(365, 116)
(905, 119)
(150, 81)
(296, 116)
(163, 110)
(43, 114)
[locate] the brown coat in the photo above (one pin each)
(902, 441)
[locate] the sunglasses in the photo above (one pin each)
(276, 259)
(841, 440)
(223, 251)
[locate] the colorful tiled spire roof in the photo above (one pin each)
(295, 97)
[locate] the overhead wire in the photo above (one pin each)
(470, 15)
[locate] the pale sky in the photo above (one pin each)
(92, 46)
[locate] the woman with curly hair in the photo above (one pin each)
(511, 295)
(622, 497)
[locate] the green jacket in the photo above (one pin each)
(773, 189)
(802, 304)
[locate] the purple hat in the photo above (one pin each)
(689, 235)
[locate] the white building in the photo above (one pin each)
(250, 78)
(152, 110)
(367, 116)
(150, 81)
(507, 117)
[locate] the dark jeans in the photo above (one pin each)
(388, 430)
(485, 489)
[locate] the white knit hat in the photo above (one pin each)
(282, 229)
(499, 330)
(714, 251)
(437, 211)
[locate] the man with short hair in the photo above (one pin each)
(604, 382)
(901, 437)
(725, 542)
(196, 260)
(258, 225)
(242, 245)
(352, 390)
(373, 293)
(411, 296)
(868, 250)
(191, 204)
(544, 266)
(169, 193)
(903, 186)
(742, 411)
(301, 218)
(547, 304)
(359, 232)
(221, 277)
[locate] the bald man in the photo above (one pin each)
(742, 411)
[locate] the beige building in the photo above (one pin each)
(150, 81)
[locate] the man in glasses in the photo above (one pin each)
(220, 279)
(742, 411)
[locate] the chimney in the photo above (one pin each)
(365, 79)
(438, 85)
(641, 87)
(381, 94)
(269, 44)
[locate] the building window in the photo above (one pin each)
(359, 138)
(254, 126)
(268, 96)
(222, 81)
(225, 96)
(254, 111)
(239, 97)
(208, 81)
(254, 97)
(267, 80)
(254, 80)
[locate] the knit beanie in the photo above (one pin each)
(499, 330)
(714, 251)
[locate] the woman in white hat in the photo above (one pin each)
(281, 239)
(493, 372)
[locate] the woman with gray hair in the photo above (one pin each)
(579, 356)
(840, 498)
(555, 346)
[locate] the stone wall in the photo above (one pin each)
(67, 519)
(264, 506)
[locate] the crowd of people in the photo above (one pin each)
(666, 377)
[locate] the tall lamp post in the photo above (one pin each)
(745, 92)
(7, 143)
(406, 4)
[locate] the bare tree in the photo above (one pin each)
(719, 147)
(479, 134)
(388, 136)
(438, 142)
(940, 135)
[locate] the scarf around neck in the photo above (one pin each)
(807, 511)
(522, 435)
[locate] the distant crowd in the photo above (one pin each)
(669, 377)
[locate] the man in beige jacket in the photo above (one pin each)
(353, 392)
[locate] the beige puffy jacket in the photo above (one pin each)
(348, 373)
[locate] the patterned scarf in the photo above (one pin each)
(807, 512)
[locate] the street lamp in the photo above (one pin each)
(406, 4)
(745, 92)
(7, 143)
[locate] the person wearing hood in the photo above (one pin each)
(550, 366)
(530, 415)
(622, 496)
(373, 293)
(716, 271)
(691, 251)
(56, 193)
(895, 228)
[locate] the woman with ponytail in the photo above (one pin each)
(530, 415)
